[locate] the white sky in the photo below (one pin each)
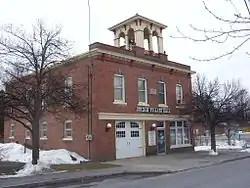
(73, 16)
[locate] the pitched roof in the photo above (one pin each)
(137, 16)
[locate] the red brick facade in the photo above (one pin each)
(105, 66)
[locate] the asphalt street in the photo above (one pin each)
(228, 175)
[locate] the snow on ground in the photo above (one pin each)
(238, 145)
(15, 152)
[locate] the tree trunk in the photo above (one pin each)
(213, 141)
(229, 140)
(35, 141)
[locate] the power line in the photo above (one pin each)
(247, 6)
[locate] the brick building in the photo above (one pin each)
(137, 98)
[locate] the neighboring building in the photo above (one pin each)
(138, 99)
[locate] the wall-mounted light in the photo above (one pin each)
(108, 126)
(153, 126)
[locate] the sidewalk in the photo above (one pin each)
(162, 164)
(179, 161)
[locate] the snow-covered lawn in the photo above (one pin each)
(238, 145)
(15, 153)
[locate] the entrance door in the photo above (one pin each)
(128, 139)
(161, 141)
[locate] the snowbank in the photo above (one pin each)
(222, 146)
(15, 153)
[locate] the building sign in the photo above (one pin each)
(151, 138)
(153, 110)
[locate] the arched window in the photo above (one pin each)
(121, 39)
(146, 39)
(155, 41)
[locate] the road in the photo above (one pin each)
(228, 175)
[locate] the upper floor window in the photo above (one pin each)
(68, 89)
(142, 91)
(162, 92)
(119, 88)
(12, 126)
(179, 93)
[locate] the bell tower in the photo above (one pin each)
(137, 29)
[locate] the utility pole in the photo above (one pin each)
(90, 83)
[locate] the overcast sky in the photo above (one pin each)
(73, 16)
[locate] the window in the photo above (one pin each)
(179, 133)
(179, 94)
(120, 125)
(12, 127)
(44, 130)
(43, 91)
(134, 125)
(120, 134)
(119, 88)
(69, 86)
(134, 134)
(142, 91)
(162, 92)
(68, 129)
(27, 132)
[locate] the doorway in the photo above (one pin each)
(161, 138)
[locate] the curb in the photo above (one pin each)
(90, 178)
(85, 179)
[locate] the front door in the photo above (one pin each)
(161, 141)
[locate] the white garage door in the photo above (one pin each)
(129, 142)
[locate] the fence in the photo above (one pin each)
(221, 139)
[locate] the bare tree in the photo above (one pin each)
(35, 84)
(235, 113)
(210, 99)
(238, 30)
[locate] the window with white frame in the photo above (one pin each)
(68, 129)
(12, 127)
(68, 85)
(119, 88)
(27, 131)
(162, 92)
(44, 130)
(179, 93)
(179, 133)
(142, 91)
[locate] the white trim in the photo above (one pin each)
(41, 136)
(27, 137)
(123, 90)
(180, 146)
(68, 139)
(141, 116)
(64, 130)
(12, 130)
(120, 103)
(180, 86)
(165, 93)
(163, 105)
(141, 60)
(146, 91)
(142, 104)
